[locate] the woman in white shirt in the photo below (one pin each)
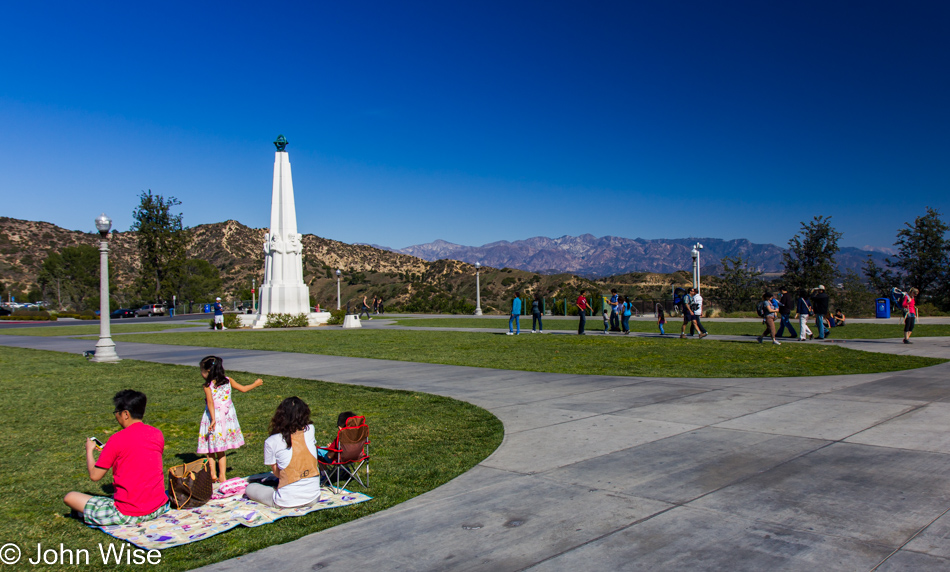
(291, 452)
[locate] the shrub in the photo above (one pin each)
(231, 321)
(336, 317)
(287, 321)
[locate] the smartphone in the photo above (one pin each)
(98, 443)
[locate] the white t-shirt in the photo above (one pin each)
(304, 491)
(698, 300)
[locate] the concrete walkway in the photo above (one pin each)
(598, 472)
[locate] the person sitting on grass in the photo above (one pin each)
(134, 454)
(839, 317)
(291, 452)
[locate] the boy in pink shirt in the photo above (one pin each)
(135, 456)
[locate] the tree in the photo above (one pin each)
(72, 276)
(922, 252)
(854, 298)
(881, 280)
(161, 242)
(740, 283)
(810, 258)
(198, 281)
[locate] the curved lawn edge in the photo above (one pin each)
(56, 400)
(577, 355)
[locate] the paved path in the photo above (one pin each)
(819, 473)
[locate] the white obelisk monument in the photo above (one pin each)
(283, 290)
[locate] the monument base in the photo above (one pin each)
(258, 320)
(352, 321)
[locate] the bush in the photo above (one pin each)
(287, 321)
(336, 317)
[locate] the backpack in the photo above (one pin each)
(763, 309)
(680, 298)
(897, 298)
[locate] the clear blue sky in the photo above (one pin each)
(483, 121)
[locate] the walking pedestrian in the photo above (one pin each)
(910, 313)
(515, 317)
(804, 310)
(768, 309)
(614, 310)
(820, 303)
(536, 315)
(785, 304)
(660, 318)
(581, 312)
(625, 320)
(218, 315)
(364, 309)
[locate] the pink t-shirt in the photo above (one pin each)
(909, 304)
(135, 456)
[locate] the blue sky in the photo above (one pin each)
(483, 121)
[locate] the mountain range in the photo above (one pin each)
(595, 257)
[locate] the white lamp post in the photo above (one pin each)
(478, 291)
(105, 347)
(338, 273)
(696, 248)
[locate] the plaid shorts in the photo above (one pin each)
(101, 511)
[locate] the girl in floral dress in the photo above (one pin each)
(219, 431)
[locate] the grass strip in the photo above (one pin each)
(87, 329)
(51, 402)
(853, 331)
(586, 355)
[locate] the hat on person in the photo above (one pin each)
(219, 299)
(820, 287)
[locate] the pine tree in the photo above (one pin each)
(923, 252)
(810, 258)
(161, 242)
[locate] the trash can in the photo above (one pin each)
(882, 308)
(206, 309)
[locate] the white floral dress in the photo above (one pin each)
(227, 431)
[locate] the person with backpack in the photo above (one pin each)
(820, 304)
(910, 313)
(784, 310)
(690, 307)
(614, 310)
(804, 310)
(767, 309)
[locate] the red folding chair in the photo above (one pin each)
(347, 455)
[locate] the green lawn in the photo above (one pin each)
(86, 329)
(890, 329)
(51, 402)
(592, 354)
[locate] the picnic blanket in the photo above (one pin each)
(178, 527)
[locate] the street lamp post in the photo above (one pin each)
(478, 291)
(338, 273)
(105, 347)
(696, 248)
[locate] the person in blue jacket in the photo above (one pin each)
(515, 316)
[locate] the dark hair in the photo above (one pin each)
(802, 293)
(613, 290)
(783, 288)
(517, 294)
(292, 415)
(766, 295)
(537, 295)
(215, 368)
(131, 401)
(342, 417)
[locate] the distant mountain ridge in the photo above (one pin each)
(591, 256)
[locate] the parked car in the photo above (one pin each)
(151, 310)
(123, 313)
